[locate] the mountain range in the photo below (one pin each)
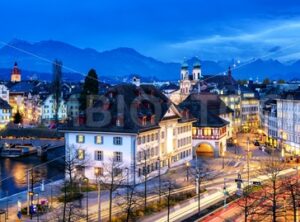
(35, 60)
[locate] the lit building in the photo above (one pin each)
(269, 123)
(213, 126)
(4, 92)
(188, 82)
(288, 114)
(22, 99)
(48, 110)
(249, 111)
(5, 113)
(133, 127)
(15, 74)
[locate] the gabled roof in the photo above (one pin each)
(130, 104)
(206, 108)
(4, 104)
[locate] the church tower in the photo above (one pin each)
(184, 71)
(197, 71)
(229, 73)
(15, 74)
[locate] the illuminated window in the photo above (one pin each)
(80, 139)
(98, 171)
(98, 139)
(80, 154)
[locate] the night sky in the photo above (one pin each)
(164, 29)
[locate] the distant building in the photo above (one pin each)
(5, 113)
(15, 74)
(48, 110)
(288, 121)
(269, 123)
(4, 92)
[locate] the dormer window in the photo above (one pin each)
(152, 119)
(120, 120)
(143, 120)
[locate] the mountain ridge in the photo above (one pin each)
(124, 61)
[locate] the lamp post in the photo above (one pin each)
(31, 200)
(6, 205)
(235, 145)
(223, 160)
(159, 180)
(86, 180)
(99, 201)
(37, 207)
(127, 183)
(187, 170)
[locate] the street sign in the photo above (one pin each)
(238, 180)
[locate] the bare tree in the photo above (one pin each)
(112, 179)
(292, 188)
(129, 202)
(75, 161)
(273, 188)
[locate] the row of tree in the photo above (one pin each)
(277, 199)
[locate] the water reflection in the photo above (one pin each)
(16, 170)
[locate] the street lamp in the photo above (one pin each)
(86, 180)
(235, 145)
(187, 170)
(159, 180)
(30, 193)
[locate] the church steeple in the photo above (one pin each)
(15, 74)
(229, 73)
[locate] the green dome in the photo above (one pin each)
(197, 64)
(184, 65)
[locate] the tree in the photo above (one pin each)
(74, 164)
(90, 88)
(130, 201)
(273, 188)
(18, 118)
(292, 188)
(266, 81)
(112, 179)
(281, 81)
(56, 87)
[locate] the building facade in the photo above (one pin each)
(213, 126)
(134, 129)
(48, 110)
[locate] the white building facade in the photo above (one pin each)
(137, 148)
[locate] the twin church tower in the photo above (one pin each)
(189, 81)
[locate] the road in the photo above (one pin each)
(183, 212)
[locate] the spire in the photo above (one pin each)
(229, 72)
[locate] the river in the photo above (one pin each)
(13, 178)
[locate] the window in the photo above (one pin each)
(117, 171)
(80, 139)
(98, 155)
(80, 154)
(98, 171)
(98, 139)
(117, 140)
(118, 156)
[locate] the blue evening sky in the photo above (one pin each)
(164, 29)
